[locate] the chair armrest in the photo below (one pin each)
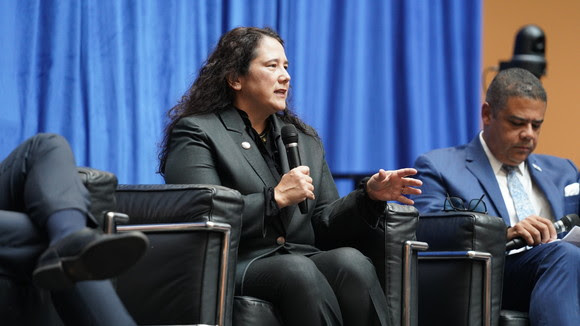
(392, 248)
(464, 272)
(169, 203)
(172, 217)
(399, 264)
(101, 186)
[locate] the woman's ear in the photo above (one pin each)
(234, 82)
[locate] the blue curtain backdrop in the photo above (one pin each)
(382, 81)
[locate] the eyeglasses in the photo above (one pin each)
(458, 204)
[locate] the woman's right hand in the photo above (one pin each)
(294, 187)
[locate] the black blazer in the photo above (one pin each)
(213, 149)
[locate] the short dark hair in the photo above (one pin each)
(513, 82)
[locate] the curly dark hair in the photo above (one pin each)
(210, 92)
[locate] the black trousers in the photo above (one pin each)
(39, 178)
(335, 287)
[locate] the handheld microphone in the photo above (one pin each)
(565, 224)
(290, 140)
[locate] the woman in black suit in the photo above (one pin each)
(227, 131)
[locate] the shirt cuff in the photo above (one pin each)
(271, 206)
(374, 208)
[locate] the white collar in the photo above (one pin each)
(496, 164)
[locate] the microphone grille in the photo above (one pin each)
(289, 134)
(570, 220)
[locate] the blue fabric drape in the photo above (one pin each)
(382, 81)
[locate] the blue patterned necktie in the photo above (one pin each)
(520, 198)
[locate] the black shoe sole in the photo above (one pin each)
(100, 260)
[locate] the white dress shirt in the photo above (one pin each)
(539, 202)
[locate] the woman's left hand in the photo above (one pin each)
(393, 185)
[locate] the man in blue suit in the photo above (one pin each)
(543, 278)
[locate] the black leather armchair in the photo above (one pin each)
(177, 281)
(186, 277)
(461, 276)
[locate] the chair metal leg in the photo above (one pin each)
(409, 282)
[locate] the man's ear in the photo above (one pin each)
(234, 82)
(486, 113)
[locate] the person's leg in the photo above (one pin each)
(88, 255)
(39, 177)
(353, 278)
(91, 303)
(294, 285)
(546, 282)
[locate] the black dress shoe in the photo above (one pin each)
(88, 254)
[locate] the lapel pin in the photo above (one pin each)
(537, 167)
(246, 145)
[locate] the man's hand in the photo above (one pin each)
(534, 230)
(393, 185)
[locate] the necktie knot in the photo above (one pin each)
(509, 169)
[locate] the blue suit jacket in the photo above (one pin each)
(464, 171)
